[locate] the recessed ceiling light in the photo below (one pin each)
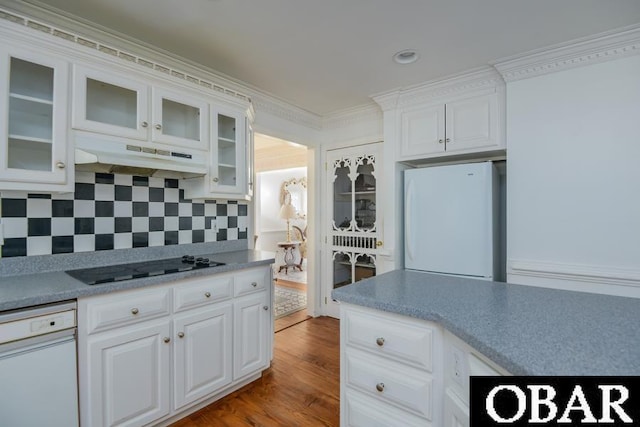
(406, 56)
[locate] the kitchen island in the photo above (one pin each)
(410, 342)
(526, 330)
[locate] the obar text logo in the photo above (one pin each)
(557, 401)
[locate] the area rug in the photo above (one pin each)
(289, 301)
(293, 275)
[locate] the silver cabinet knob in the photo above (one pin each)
(380, 341)
(440, 141)
(207, 294)
(447, 140)
(60, 165)
(144, 124)
(265, 308)
(215, 179)
(158, 126)
(180, 334)
(254, 284)
(380, 387)
(134, 311)
(166, 340)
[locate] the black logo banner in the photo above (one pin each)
(555, 401)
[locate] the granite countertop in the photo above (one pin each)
(42, 280)
(527, 330)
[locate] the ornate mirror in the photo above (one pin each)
(294, 191)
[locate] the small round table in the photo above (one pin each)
(289, 257)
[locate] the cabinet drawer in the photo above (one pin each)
(250, 281)
(363, 411)
(202, 291)
(113, 311)
(404, 341)
(390, 382)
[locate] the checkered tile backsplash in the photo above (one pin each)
(115, 212)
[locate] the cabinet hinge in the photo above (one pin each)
(325, 300)
(326, 166)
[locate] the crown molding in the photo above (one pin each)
(352, 116)
(576, 53)
(40, 17)
(476, 79)
(283, 110)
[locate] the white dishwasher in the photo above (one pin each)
(38, 375)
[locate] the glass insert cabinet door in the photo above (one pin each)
(110, 104)
(33, 117)
(352, 192)
(180, 119)
(227, 151)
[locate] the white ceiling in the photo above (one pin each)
(327, 55)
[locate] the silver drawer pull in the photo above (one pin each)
(254, 284)
(380, 387)
(158, 126)
(180, 334)
(265, 307)
(207, 294)
(134, 311)
(166, 340)
(380, 341)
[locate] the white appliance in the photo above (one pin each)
(451, 219)
(38, 379)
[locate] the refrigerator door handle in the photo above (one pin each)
(407, 219)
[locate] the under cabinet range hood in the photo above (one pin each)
(128, 156)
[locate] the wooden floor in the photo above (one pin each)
(302, 387)
(290, 320)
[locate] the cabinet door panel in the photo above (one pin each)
(109, 104)
(228, 148)
(251, 326)
(180, 120)
(456, 414)
(423, 131)
(33, 121)
(472, 123)
(363, 411)
(129, 376)
(203, 348)
(390, 382)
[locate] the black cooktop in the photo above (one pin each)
(136, 270)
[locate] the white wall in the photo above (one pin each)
(574, 178)
(270, 228)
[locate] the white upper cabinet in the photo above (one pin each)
(472, 123)
(33, 121)
(465, 125)
(179, 120)
(230, 160)
(110, 104)
(227, 152)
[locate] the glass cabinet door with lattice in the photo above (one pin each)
(354, 224)
(33, 121)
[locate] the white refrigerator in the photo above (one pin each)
(451, 219)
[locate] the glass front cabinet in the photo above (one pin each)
(354, 225)
(33, 122)
(114, 105)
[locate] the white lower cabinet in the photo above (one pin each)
(389, 361)
(137, 354)
(401, 371)
(129, 375)
(456, 413)
(202, 353)
(251, 319)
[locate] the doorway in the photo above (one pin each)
(281, 221)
